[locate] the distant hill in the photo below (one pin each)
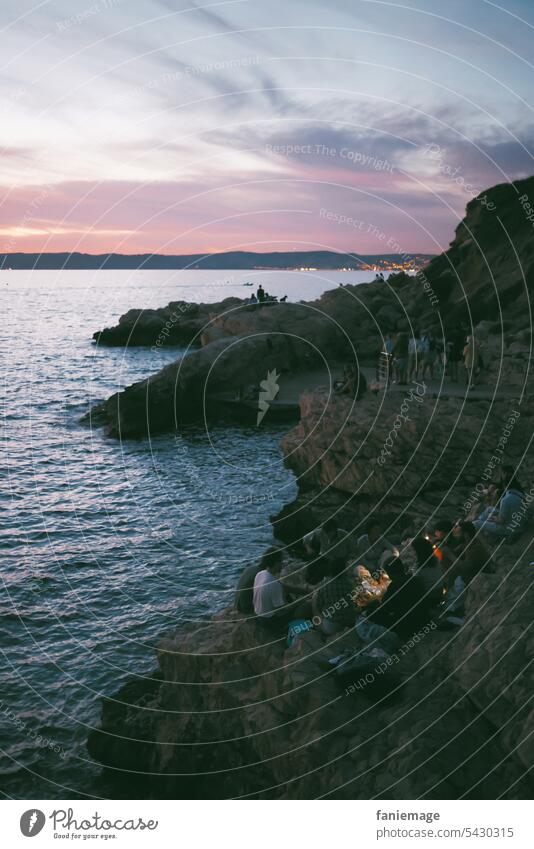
(229, 260)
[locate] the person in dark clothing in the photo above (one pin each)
(334, 600)
(318, 569)
(400, 358)
(428, 572)
(444, 552)
(260, 294)
(355, 383)
(454, 348)
(473, 556)
(404, 608)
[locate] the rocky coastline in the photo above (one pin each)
(233, 713)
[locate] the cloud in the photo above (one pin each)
(211, 123)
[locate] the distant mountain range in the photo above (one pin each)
(230, 260)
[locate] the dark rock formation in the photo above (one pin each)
(397, 457)
(239, 714)
(180, 323)
(236, 712)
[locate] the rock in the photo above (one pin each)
(180, 323)
(180, 392)
(490, 660)
(356, 449)
(232, 711)
(483, 329)
(387, 317)
(274, 723)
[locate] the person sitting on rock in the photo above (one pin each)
(472, 555)
(355, 383)
(443, 550)
(428, 570)
(324, 540)
(244, 592)
(372, 546)
(271, 599)
(403, 608)
(490, 497)
(316, 570)
(333, 602)
(501, 521)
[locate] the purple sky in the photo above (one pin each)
(180, 127)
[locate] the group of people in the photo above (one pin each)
(263, 297)
(402, 587)
(423, 355)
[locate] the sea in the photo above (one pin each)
(105, 545)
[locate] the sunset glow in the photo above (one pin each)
(180, 128)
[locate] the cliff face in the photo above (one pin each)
(232, 710)
(239, 714)
(405, 457)
(488, 270)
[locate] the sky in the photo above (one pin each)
(177, 127)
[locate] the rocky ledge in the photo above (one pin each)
(234, 712)
(180, 323)
(484, 279)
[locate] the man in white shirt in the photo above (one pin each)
(270, 602)
(268, 594)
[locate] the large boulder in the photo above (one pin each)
(180, 323)
(180, 392)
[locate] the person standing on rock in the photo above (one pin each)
(429, 351)
(470, 359)
(414, 355)
(454, 353)
(400, 354)
(260, 294)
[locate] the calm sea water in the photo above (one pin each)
(105, 546)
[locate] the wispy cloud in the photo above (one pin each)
(165, 126)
